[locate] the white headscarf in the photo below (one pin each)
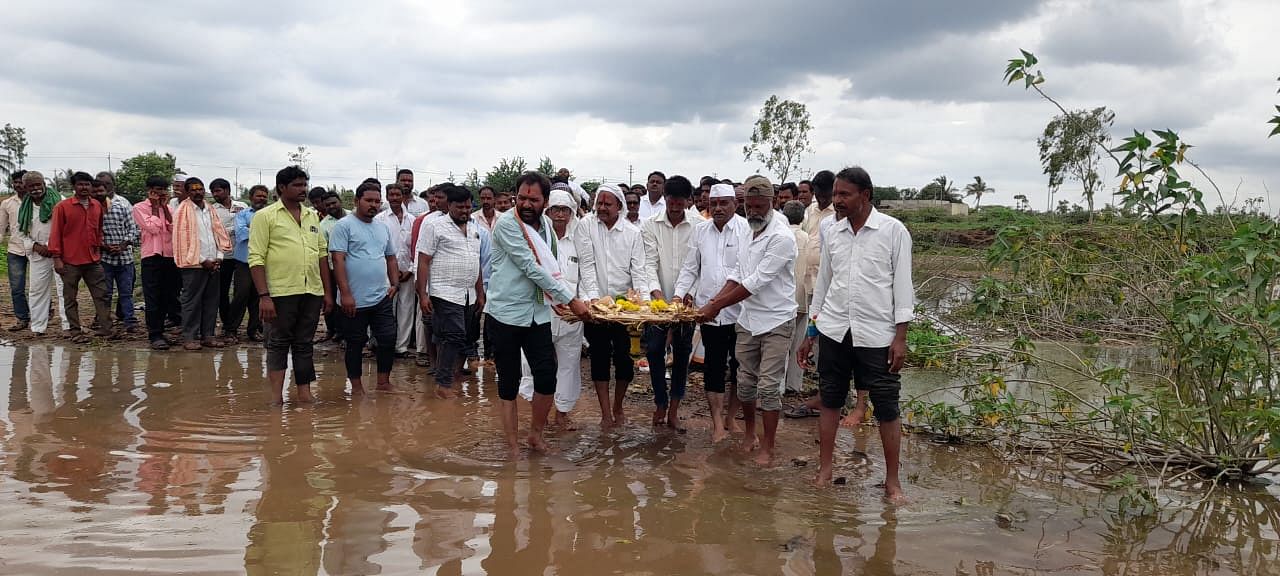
(613, 189)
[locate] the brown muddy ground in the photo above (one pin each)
(117, 460)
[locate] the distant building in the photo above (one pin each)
(950, 208)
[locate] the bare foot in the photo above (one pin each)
(606, 423)
(357, 390)
(673, 422)
(718, 435)
(277, 400)
(658, 415)
(824, 478)
(445, 393)
(385, 387)
(513, 453)
(537, 444)
(305, 396)
(620, 418)
(854, 418)
(893, 494)
(764, 458)
(565, 422)
(749, 445)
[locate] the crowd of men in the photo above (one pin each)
(780, 276)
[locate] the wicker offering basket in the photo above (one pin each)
(631, 311)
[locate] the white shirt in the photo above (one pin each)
(577, 258)
(413, 204)
(9, 223)
(864, 281)
(400, 230)
(455, 258)
(806, 268)
(204, 234)
(713, 254)
(39, 233)
(478, 216)
(619, 255)
(813, 216)
(766, 268)
(225, 215)
(665, 247)
(407, 255)
(647, 210)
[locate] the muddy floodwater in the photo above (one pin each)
(123, 461)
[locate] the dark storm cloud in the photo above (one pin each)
(280, 69)
(1145, 34)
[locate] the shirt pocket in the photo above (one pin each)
(875, 266)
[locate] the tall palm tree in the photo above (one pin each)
(976, 189)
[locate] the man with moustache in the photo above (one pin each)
(620, 267)
(245, 296)
(764, 281)
(652, 202)
(714, 251)
(199, 242)
(364, 266)
(35, 221)
(119, 236)
(450, 284)
(525, 282)
(399, 225)
(161, 281)
(486, 215)
(225, 209)
(862, 306)
(75, 244)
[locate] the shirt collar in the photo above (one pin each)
(874, 220)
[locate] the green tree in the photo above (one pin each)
(13, 140)
(546, 167)
(131, 178)
(780, 137)
(976, 189)
(941, 188)
(7, 167)
(880, 193)
(1071, 149)
(1022, 203)
(503, 176)
(1275, 119)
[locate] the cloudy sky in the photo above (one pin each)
(907, 88)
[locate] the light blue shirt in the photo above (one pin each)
(367, 245)
(515, 295)
(240, 234)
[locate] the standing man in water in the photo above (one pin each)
(119, 236)
(399, 225)
(620, 264)
(286, 257)
(35, 217)
(225, 208)
(576, 257)
(245, 296)
(764, 281)
(450, 283)
(525, 281)
(714, 251)
(666, 242)
(17, 254)
(364, 264)
(161, 280)
(862, 306)
(199, 241)
(75, 243)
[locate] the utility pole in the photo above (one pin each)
(375, 172)
(109, 162)
(631, 170)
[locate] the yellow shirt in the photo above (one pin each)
(290, 250)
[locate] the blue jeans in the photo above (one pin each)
(18, 287)
(120, 278)
(656, 352)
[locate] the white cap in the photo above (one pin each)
(561, 198)
(612, 189)
(722, 191)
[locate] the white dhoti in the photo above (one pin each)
(567, 339)
(42, 284)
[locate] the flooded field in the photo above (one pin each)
(123, 461)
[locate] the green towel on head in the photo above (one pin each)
(25, 211)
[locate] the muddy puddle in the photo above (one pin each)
(122, 461)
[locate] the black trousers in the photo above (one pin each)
(719, 365)
(610, 345)
(244, 298)
(293, 333)
(380, 319)
(535, 341)
(451, 334)
(161, 283)
(226, 279)
(839, 362)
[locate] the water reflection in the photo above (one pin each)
(114, 460)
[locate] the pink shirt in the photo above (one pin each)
(157, 231)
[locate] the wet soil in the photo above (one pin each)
(117, 460)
